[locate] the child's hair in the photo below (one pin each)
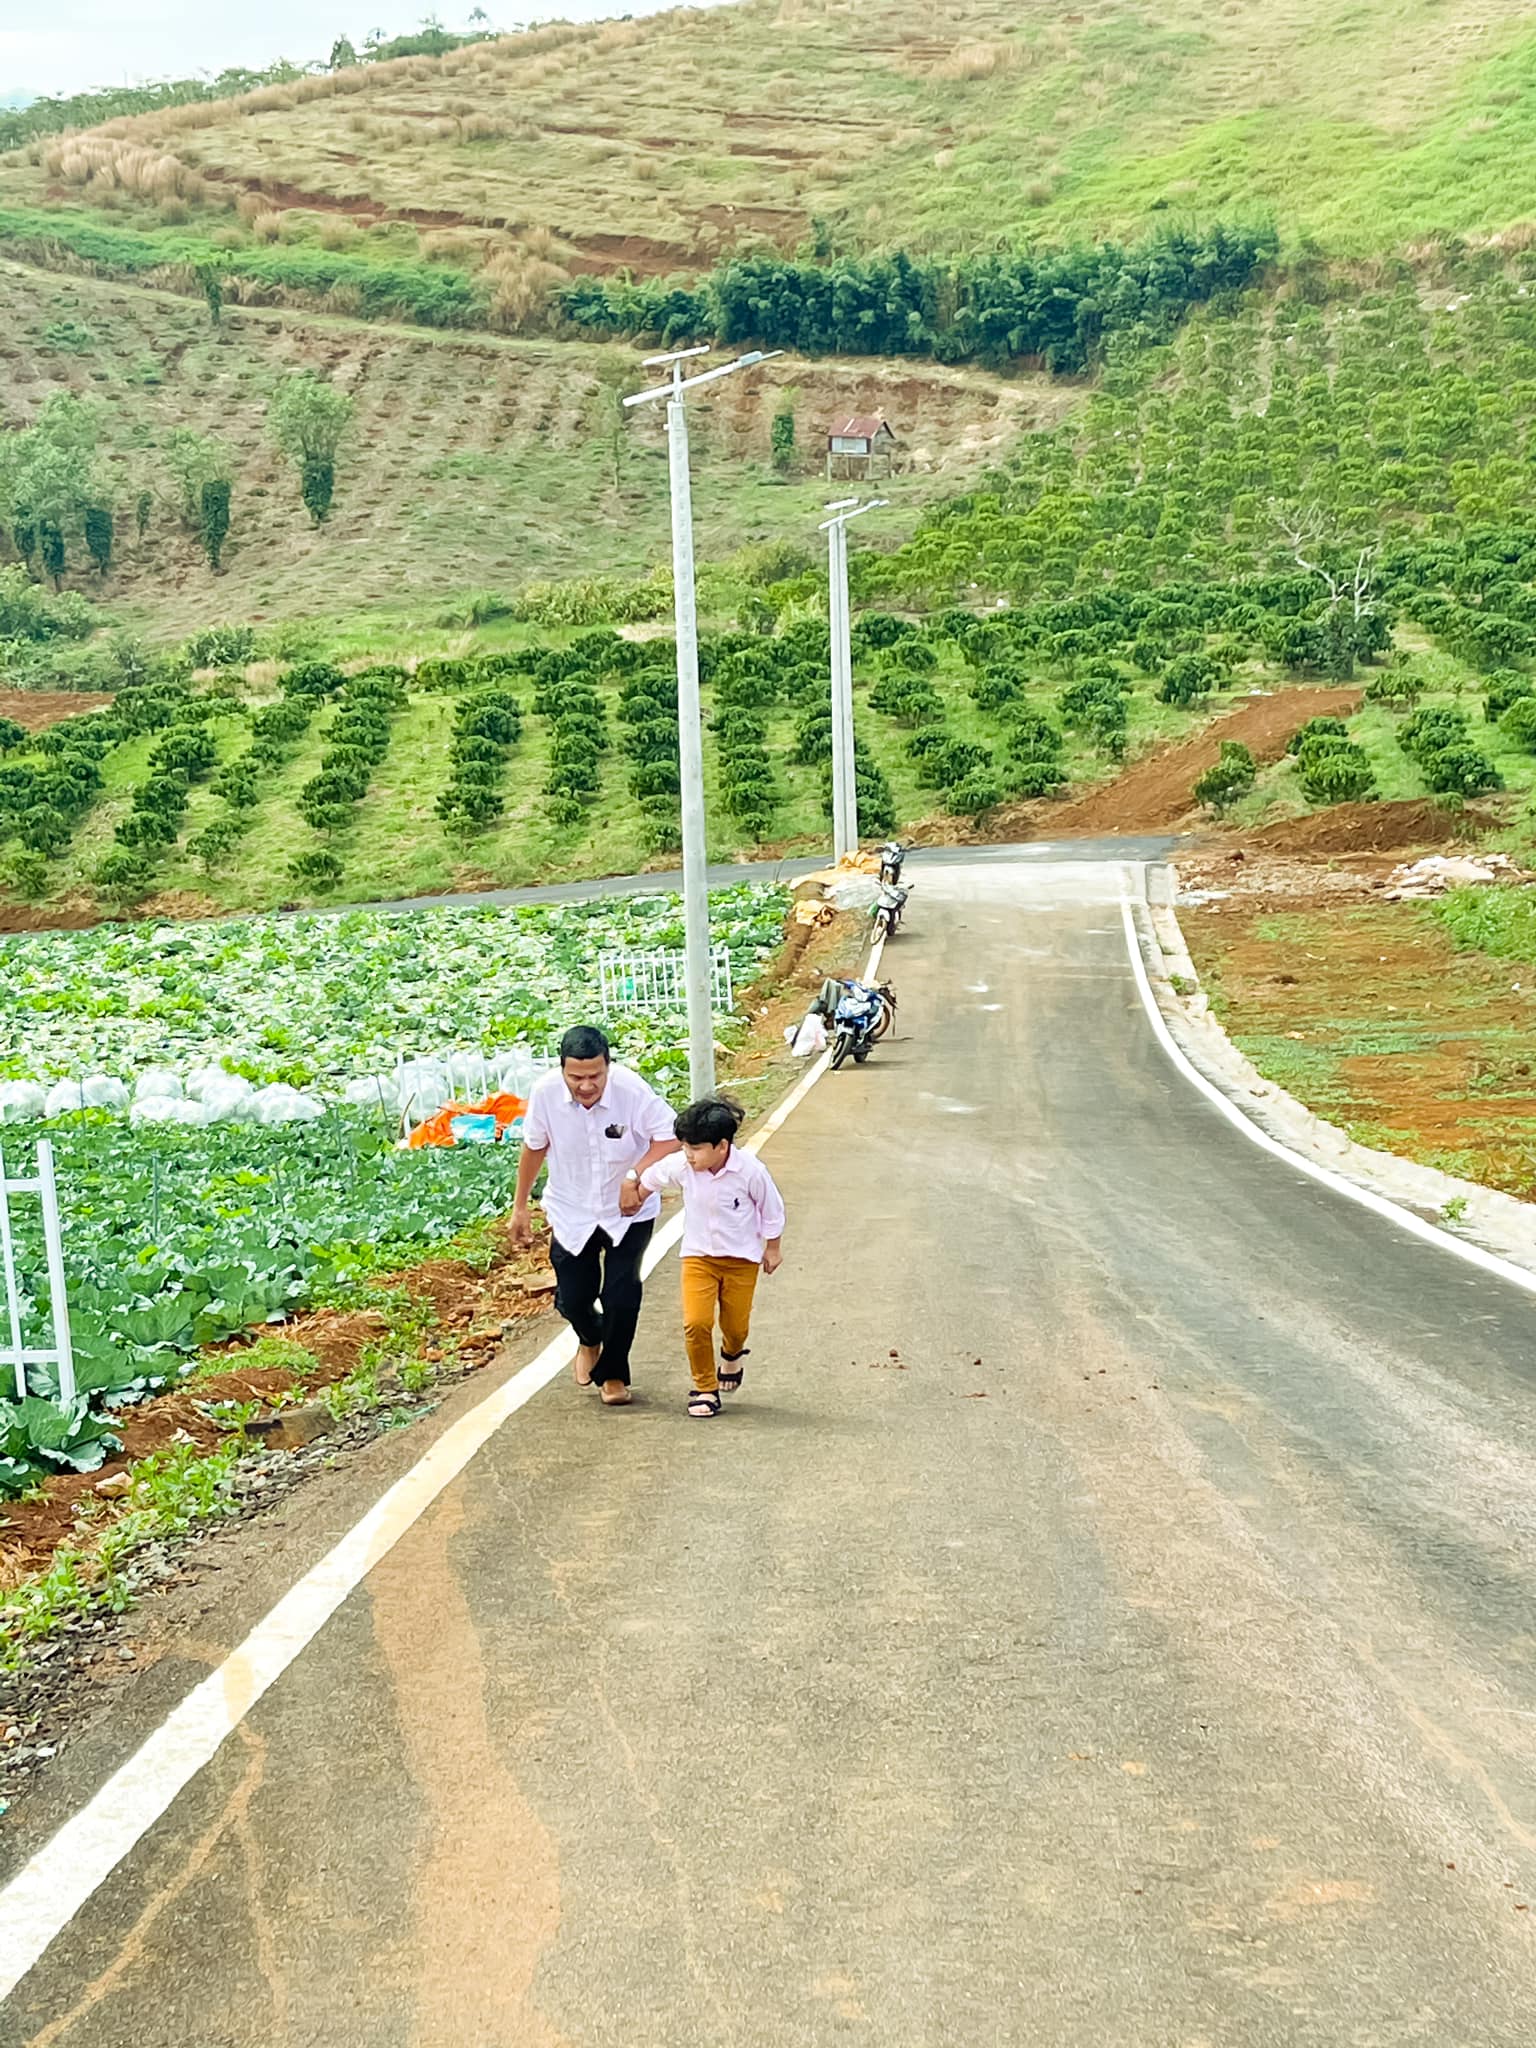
(710, 1122)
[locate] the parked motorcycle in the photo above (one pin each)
(889, 905)
(862, 1017)
(892, 854)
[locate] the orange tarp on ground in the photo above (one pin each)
(438, 1130)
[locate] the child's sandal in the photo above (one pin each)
(730, 1382)
(702, 1405)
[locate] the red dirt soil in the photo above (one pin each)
(1459, 1085)
(471, 1308)
(1371, 828)
(36, 709)
(1154, 793)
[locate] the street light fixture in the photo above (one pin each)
(690, 733)
(845, 796)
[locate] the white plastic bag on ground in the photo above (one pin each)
(517, 1070)
(21, 1102)
(157, 1084)
(200, 1079)
(95, 1091)
(470, 1076)
(853, 892)
(167, 1109)
(281, 1104)
(811, 1037)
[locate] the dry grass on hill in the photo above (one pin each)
(662, 144)
(658, 145)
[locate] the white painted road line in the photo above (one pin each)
(1367, 1198)
(46, 1893)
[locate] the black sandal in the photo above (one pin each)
(730, 1382)
(702, 1404)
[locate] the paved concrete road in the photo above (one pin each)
(1104, 1619)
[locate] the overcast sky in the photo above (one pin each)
(72, 45)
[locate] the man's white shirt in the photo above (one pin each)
(591, 1150)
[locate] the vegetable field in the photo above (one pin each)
(317, 1000)
(187, 1214)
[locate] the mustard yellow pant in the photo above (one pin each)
(712, 1287)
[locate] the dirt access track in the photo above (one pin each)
(1155, 791)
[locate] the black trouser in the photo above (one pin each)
(608, 1274)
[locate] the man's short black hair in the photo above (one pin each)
(584, 1042)
(710, 1122)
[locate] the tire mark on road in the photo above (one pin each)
(135, 1942)
(487, 1885)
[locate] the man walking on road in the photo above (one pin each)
(597, 1125)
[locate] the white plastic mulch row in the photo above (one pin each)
(212, 1095)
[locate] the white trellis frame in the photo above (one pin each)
(658, 980)
(16, 1354)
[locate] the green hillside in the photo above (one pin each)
(659, 145)
(1259, 473)
(472, 464)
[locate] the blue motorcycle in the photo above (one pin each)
(863, 1014)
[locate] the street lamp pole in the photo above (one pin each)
(844, 829)
(697, 964)
(845, 797)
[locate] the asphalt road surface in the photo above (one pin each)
(725, 874)
(1104, 1618)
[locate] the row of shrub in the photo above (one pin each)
(1059, 306)
(969, 776)
(43, 801)
(1187, 637)
(1330, 766)
(276, 732)
(357, 743)
(185, 753)
(42, 804)
(1439, 742)
(746, 682)
(648, 714)
(434, 295)
(813, 748)
(566, 693)
(487, 725)
(452, 675)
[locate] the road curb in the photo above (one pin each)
(1500, 1224)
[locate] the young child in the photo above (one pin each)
(733, 1220)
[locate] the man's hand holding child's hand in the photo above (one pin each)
(631, 1197)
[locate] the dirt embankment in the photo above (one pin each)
(1372, 828)
(1154, 793)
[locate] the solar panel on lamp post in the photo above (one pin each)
(690, 732)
